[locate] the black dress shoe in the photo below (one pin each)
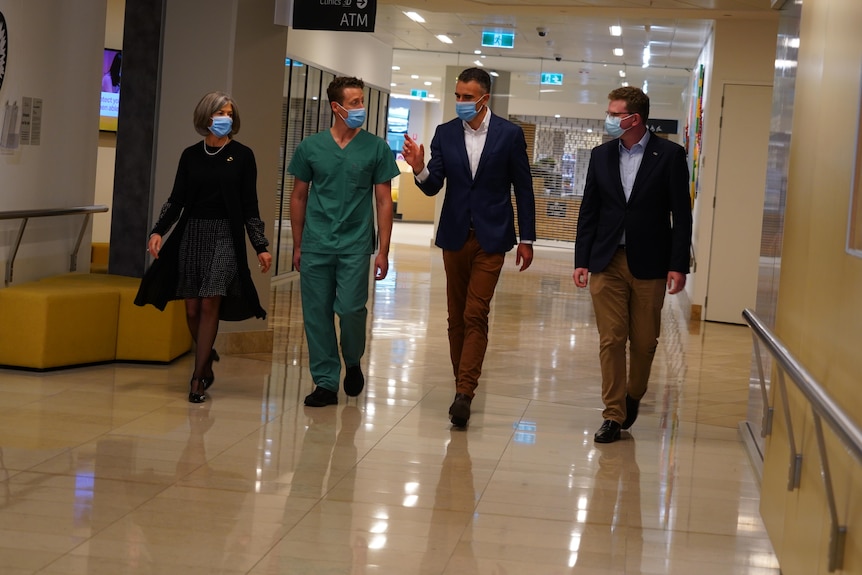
(632, 406)
(459, 411)
(354, 381)
(321, 397)
(608, 432)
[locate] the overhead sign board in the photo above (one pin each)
(335, 15)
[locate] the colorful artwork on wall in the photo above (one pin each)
(694, 133)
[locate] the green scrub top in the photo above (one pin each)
(339, 216)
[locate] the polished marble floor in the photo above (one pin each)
(109, 470)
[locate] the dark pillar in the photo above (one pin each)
(136, 136)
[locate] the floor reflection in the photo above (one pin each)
(107, 469)
(612, 534)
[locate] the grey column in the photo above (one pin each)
(136, 133)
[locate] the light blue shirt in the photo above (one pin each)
(630, 163)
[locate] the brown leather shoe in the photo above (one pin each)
(608, 432)
(459, 411)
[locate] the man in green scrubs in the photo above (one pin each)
(338, 173)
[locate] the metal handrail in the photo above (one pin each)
(824, 408)
(25, 215)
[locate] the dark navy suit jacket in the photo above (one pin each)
(483, 202)
(656, 219)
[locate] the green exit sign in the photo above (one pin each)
(498, 39)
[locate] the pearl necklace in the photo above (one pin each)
(208, 153)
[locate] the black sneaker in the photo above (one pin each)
(354, 381)
(321, 397)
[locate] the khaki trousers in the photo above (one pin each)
(471, 277)
(627, 310)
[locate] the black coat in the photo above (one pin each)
(236, 181)
(656, 219)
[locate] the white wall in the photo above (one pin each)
(54, 53)
(343, 53)
(247, 61)
(743, 52)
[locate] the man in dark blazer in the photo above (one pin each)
(634, 237)
(481, 157)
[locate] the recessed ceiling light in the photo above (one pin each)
(478, 62)
(625, 84)
(616, 31)
(427, 83)
(414, 76)
(393, 84)
(477, 51)
(622, 73)
(618, 51)
(493, 73)
(396, 67)
(415, 17)
(444, 38)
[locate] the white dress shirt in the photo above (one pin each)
(630, 163)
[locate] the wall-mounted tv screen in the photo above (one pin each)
(111, 73)
(397, 122)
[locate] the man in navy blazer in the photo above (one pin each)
(482, 158)
(634, 238)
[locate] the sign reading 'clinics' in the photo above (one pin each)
(337, 15)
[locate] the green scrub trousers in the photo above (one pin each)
(339, 283)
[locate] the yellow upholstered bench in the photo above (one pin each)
(45, 325)
(99, 257)
(143, 333)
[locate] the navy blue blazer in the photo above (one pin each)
(485, 202)
(656, 219)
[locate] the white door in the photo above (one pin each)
(739, 192)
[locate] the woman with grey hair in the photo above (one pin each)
(212, 206)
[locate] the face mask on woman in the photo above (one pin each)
(221, 126)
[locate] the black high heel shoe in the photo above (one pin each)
(195, 397)
(208, 381)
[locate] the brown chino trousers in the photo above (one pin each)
(627, 310)
(471, 278)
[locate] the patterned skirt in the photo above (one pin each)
(207, 261)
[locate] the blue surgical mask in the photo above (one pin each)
(612, 125)
(355, 117)
(221, 126)
(466, 110)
